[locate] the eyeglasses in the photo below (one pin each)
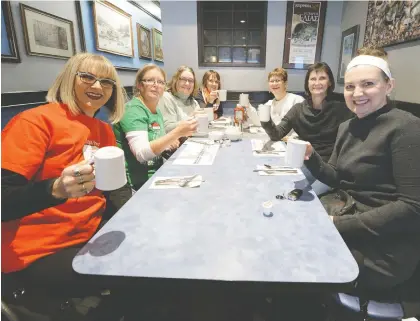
(152, 82)
(185, 80)
(276, 81)
(90, 79)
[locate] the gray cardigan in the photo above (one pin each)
(175, 109)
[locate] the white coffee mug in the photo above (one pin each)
(264, 112)
(109, 168)
(222, 94)
(295, 152)
(203, 123)
(209, 112)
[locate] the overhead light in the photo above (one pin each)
(243, 37)
(243, 21)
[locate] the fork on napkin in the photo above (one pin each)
(177, 182)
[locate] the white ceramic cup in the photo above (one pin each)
(295, 152)
(109, 168)
(203, 123)
(264, 112)
(222, 94)
(209, 112)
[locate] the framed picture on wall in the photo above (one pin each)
(392, 22)
(305, 22)
(113, 30)
(144, 41)
(9, 49)
(349, 42)
(157, 45)
(46, 34)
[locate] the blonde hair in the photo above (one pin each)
(373, 51)
(278, 72)
(207, 76)
(140, 75)
(177, 75)
(62, 90)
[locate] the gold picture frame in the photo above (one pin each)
(144, 41)
(47, 35)
(113, 29)
(157, 45)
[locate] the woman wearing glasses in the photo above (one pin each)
(178, 103)
(207, 95)
(282, 102)
(50, 207)
(141, 133)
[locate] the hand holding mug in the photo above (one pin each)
(309, 151)
(187, 127)
(213, 96)
(75, 181)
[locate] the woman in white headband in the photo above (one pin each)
(375, 170)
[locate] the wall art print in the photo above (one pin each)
(9, 49)
(144, 41)
(305, 22)
(46, 34)
(157, 45)
(113, 29)
(349, 43)
(392, 22)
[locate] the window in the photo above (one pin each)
(231, 33)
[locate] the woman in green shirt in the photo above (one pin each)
(141, 132)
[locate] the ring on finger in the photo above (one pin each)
(84, 190)
(76, 172)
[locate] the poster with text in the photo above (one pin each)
(304, 31)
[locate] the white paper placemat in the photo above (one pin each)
(197, 154)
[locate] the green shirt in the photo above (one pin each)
(138, 117)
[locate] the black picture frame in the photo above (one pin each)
(300, 31)
(11, 34)
(349, 45)
(44, 50)
(389, 23)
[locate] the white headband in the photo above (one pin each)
(371, 61)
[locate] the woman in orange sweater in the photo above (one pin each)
(50, 207)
